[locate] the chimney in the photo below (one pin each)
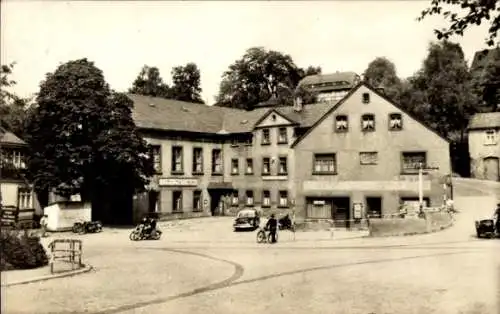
(297, 104)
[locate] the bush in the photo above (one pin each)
(21, 250)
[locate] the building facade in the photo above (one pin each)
(484, 145)
(15, 190)
(215, 160)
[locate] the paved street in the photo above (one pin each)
(201, 266)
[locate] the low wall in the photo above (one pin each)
(176, 216)
(434, 221)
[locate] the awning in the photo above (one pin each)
(220, 186)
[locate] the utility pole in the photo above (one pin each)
(421, 169)
(1, 163)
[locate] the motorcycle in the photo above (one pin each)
(139, 234)
(285, 223)
(87, 227)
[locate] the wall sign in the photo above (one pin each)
(358, 210)
(177, 182)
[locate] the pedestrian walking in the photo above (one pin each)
(272, 226)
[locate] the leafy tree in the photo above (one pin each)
(445, 90)
(310, 70)
(256, 77)
(486, 82)
(12, 108)
(476, 12)
(83, 140)
(186, 81)
(150, 83)
(381, 72)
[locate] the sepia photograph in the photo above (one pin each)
(199, 157)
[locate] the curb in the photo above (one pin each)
(83, 270)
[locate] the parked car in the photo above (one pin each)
(247, 219)
(485, 228)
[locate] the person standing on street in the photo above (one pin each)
(272, 226)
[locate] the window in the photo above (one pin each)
(197, 206)
(490, 138)
(25, 199)
(235, 198)
(234, 142)
(282, 136)
(283, 168)
(266, 166)
(368, 122)
(413, 160)
(177, 159)
(249, 199)
(248, 141)
(266, 137)
(216, 161)
(156, 156)
(266, 199)
(368, 158)
(341, 124)
(283, 201)
(234, 166)
(177, 201)
(366, 98)
(249, 167)
(395, 122)
(324, 163)
(197, 160)
(18, 159)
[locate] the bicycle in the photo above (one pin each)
(264, 236)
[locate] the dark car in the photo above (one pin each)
(485, 228)
(247, 218)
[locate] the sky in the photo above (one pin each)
(122, 37)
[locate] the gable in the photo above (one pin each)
(381, 107)
(273, 118)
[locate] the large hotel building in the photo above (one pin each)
(354, 152)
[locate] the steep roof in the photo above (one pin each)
(7, 137)
(484, 121)
(173, 115)
(374, 90)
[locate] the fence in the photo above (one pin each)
(70, 252)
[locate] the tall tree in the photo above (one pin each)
(311, 70)
(381, 73)
(470, 13)
(12, 108)
(150, 83)
(444, 85)
(256, 77)
(186, 83)
(83, 140)
(486, 82)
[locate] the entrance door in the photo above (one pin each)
(374, 207)
(491, 165)
(153, 200)
(340, 211)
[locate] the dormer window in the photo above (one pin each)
(266, 137)
(368, 123)
(341, 124)
(395, 122)
(366, 98)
